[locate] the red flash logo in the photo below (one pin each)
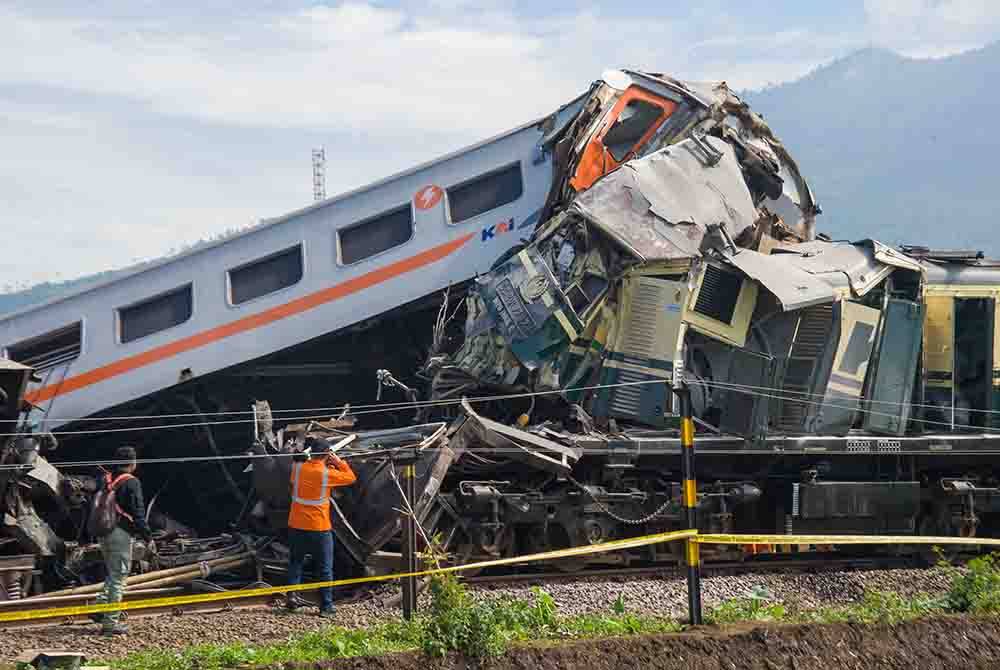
(428, 196)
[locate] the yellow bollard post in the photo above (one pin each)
(409, 529)
(690, 496)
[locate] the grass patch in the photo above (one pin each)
(875, 607)
(974, 589)
(333, 642)
(745, 609)
(457, 623)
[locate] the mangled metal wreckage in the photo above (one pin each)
(677, 245)
(672, 267)
(541, 321)
(43, 546)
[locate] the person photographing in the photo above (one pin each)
(309, 527)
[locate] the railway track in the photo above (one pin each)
(821, 563)
(720, 567)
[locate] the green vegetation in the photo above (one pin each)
(977, 588)
(974, 589)
(455, 622)
(754, 608)
(332, 642)
(876, 607)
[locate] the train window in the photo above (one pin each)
(485, 192)
(48, 350)
(151, 316)
(373, 236)
(633, 122)
(267, 275)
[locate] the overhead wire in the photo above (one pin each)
(368, 409)
(745, 389)
(404, 405)
(783, 395)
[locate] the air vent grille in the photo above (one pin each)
(810, 339)
(640, 335)
(719, 294)
(627, 400)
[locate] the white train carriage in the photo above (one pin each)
(316, 270)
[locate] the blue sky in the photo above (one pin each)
(130, 128)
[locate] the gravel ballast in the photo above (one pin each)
(648, 595)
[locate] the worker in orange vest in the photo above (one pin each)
(309, 517)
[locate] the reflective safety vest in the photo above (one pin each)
(312, 482)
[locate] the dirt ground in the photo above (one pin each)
(943, 642)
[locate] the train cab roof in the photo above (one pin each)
(962, 267)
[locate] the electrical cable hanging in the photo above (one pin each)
(745, 389)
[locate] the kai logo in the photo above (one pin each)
(498, 229)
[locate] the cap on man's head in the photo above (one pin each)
(317, 446)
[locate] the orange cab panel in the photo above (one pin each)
(632, 122)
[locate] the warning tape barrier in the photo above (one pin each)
(710, 538)
(604, 547)
(176, 601)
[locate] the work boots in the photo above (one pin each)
(293, 602)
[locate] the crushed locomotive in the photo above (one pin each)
(837, 387)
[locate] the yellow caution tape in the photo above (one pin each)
(176, 601)
(841, 539)
(603, 547)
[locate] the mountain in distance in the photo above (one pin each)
(897, 149)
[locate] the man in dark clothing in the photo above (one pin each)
(117, 546)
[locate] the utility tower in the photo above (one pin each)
(319, 174)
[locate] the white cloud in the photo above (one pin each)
(98, 188)
(932, 28)
(347, 66)
(352, 65)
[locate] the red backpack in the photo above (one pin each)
(104, 509)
